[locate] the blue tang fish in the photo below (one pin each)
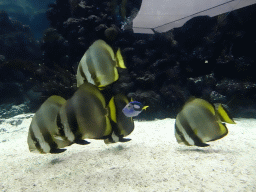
(134, 108)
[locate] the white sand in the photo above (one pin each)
(151, 161)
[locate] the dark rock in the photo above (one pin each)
(124, 84)
(151, 54)
(16, 40)
(153, 100)
(55, 46)
(210, 58)
(216, 97)
(146, 82)
(201, 86)
(241, 68)
(127, 54)
(11, 110)
(11, 92)
(236, 88)
(174, 96)
(58, 13)
(2, 59)
(192, 32)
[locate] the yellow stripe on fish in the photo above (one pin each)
(124, 125)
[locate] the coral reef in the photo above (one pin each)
(16, 40)
(24, 78)
(211, 58)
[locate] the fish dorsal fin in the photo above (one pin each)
(120, 60)
(208, 105)
(202, 103)
(102, 45)
(223, 115)
(112, 109)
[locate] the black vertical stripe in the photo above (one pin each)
(187, 128)
(48, 138)
(46, 134)
(61, 127)
(35, 140)
(181, 135)
(72, 122)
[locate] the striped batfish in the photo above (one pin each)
(59, 123)
(45, 128)
(200, 122)
(99, 65)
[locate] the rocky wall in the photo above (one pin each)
(211, 58)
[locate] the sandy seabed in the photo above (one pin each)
(151, 161)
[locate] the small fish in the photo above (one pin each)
(133, 109)
(99, 65)
(200, 122)
(124, 9)
(59, 123)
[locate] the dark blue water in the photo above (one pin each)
(28, 12)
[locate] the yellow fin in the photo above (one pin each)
(223, 115)
(120, 61)
(223, 128)
(108, 127)
(112, 109)
(145, 107)
(101, 87)
(57, 99)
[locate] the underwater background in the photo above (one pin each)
(42, 42)
(166, 80)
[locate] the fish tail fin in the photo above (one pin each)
(145, 107)
(202, 144)
(120, 60)
(223, 115)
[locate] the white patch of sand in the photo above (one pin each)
(151, 161)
